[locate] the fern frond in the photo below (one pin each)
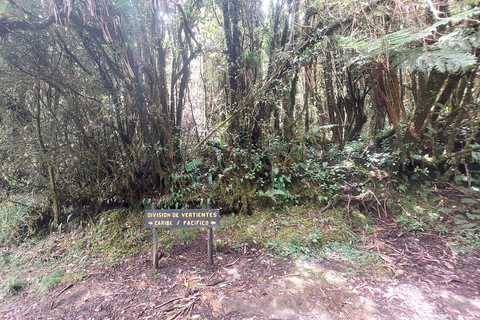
(192, 165)
(451, 53)
(447, 60)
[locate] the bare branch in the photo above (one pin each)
(433, 10)
(8, 26)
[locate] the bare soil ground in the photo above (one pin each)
(422, 278)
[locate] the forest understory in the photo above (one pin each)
(379, 254)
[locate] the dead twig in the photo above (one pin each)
(348, 208)
(65, 289)
(59, 293)
(128, 307)
(368, 146)
(289, 275)
(360, 286)
(193, 279)
(323, 292)
(184, 309)
(231, 264)
(164, 304)
(8, 310)
(454, 254)
(212, 284)
(325, 208)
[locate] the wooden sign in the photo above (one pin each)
(195, 218)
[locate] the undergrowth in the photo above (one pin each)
(298, 232)
(12, 286)
(315, 205)
(16, 218)
(62, 257)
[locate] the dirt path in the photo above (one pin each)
(422, 279)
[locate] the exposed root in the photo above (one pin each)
(381, 208)
(181, 308)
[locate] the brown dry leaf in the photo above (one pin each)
(207, 295)
(216, 304)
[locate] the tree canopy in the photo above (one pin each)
(109, 102)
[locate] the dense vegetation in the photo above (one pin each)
(253, 104)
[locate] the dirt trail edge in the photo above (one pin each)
(421, 279)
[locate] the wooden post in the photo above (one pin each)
(155, 248)
(210, 241)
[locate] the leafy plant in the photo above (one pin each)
(450, 54)
(411, 224)
(52, 280)
(315, 237)
(292, 248)
(12, 287)
(186, 181)
(355, 255)
(15, 217)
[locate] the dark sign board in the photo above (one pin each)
(195, 218)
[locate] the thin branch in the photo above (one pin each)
(217, 128)
(433, 10)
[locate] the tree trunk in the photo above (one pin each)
(288, 104)
(231, 13)
(331, 102)
(52, 183)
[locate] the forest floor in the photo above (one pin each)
(420, 277)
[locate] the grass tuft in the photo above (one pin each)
(12, 287)
(53, 280)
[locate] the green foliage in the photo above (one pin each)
(411, 224)
(301, 231)
(97, 132)
(451, 53)
(457, 220)
(383, 158)
(53, 279)
(253, 59)
(362, 222)
(61, 258)
(315, 237)
(352, 254)
(12, 287)
(280, 183)
(294, 248)
(467, 229)
(4, 4)
(188, 235)
(411, 178)
(277, 174)
(120, 230)
(16, 217)
(186, 182)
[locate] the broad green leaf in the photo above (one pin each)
(3, 6)
(277, 191)
(468, 200)
(472, 216)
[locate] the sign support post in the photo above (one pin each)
(209, 241)
(155, 243)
